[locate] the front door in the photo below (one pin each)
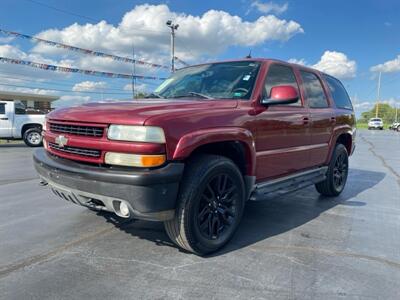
(5, 120)
(283, 137)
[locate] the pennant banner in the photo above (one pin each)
(74, 70)
(82, 50)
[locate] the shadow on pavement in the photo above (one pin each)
(264, 219)
(13, 145)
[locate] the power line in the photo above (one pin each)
(86, 17)
(61, 90)
(63, 11)
(56, 68)
(52, 83)
(82, 50)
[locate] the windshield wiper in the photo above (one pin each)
(153, 95)
(189, 94)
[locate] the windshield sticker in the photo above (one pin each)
(246, 78)
(163, 85)
(237, 94)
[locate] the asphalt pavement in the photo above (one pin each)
(297, 246)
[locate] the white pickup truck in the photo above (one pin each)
(17, 123)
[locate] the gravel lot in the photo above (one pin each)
(300, 246)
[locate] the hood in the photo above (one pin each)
(135, 112)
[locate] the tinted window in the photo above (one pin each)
(339, 94)
(2, 108)
(313, 89)
(280, 75)
(19, 108)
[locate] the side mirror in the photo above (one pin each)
(282, 94)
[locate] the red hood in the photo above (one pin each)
(134, 112)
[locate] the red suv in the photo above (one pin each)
(209, 138)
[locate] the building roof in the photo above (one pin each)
(26, 96)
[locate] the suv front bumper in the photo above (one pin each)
(149, 194)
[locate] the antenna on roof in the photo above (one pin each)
(249, 55)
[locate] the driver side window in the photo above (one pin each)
(280, 75)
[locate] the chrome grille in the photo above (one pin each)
(76, 150)
(77, 129)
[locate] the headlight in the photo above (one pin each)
(134, 160)
(44, 125)
(130, 133)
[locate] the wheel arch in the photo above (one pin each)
(344, 137)
(234, 143)
(27, 126)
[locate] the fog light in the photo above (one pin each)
(124, 209)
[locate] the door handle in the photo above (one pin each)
(333, 120)
(306, 120)
(4, 119)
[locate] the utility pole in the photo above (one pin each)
(379, 95)
(173, 28)
(133, 71)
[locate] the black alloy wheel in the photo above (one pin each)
(336, 176)
(217, 207)
(209, 205)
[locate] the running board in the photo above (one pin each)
(288, 184)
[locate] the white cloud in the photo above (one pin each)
(363, 106)
(6, 39)
(67, 100)
(368, 105)
(332, 62)
(298, 61)
(89, 86)
(388, 67)
(144, 27)
(10, 51)
(337, 64)
(140, 87)
(270, 7)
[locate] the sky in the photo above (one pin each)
(352, 40)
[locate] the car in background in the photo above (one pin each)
(375, 123)
(395, 126)
(18, 122)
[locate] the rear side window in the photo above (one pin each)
(315, 94)
(280, 75)
(339, 94)
(2, 108)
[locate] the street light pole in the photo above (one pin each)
(379, 95)
(173, 28)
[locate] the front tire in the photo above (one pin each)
(336, 176)
(33, 137)
(210, 205)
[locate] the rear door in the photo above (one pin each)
(5, 119)
(283, 137)
(322, 118)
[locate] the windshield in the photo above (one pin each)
(376, 120)
(229, 80)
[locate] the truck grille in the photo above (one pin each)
(76, 150)
(77, 129)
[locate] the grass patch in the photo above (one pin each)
(10, 142)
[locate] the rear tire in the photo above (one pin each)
(210, 205)
(33, 137)
(336, 176)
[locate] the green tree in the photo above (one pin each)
(386, 112)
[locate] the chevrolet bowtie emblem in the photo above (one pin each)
(61, 141)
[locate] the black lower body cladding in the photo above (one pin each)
(151, 194)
